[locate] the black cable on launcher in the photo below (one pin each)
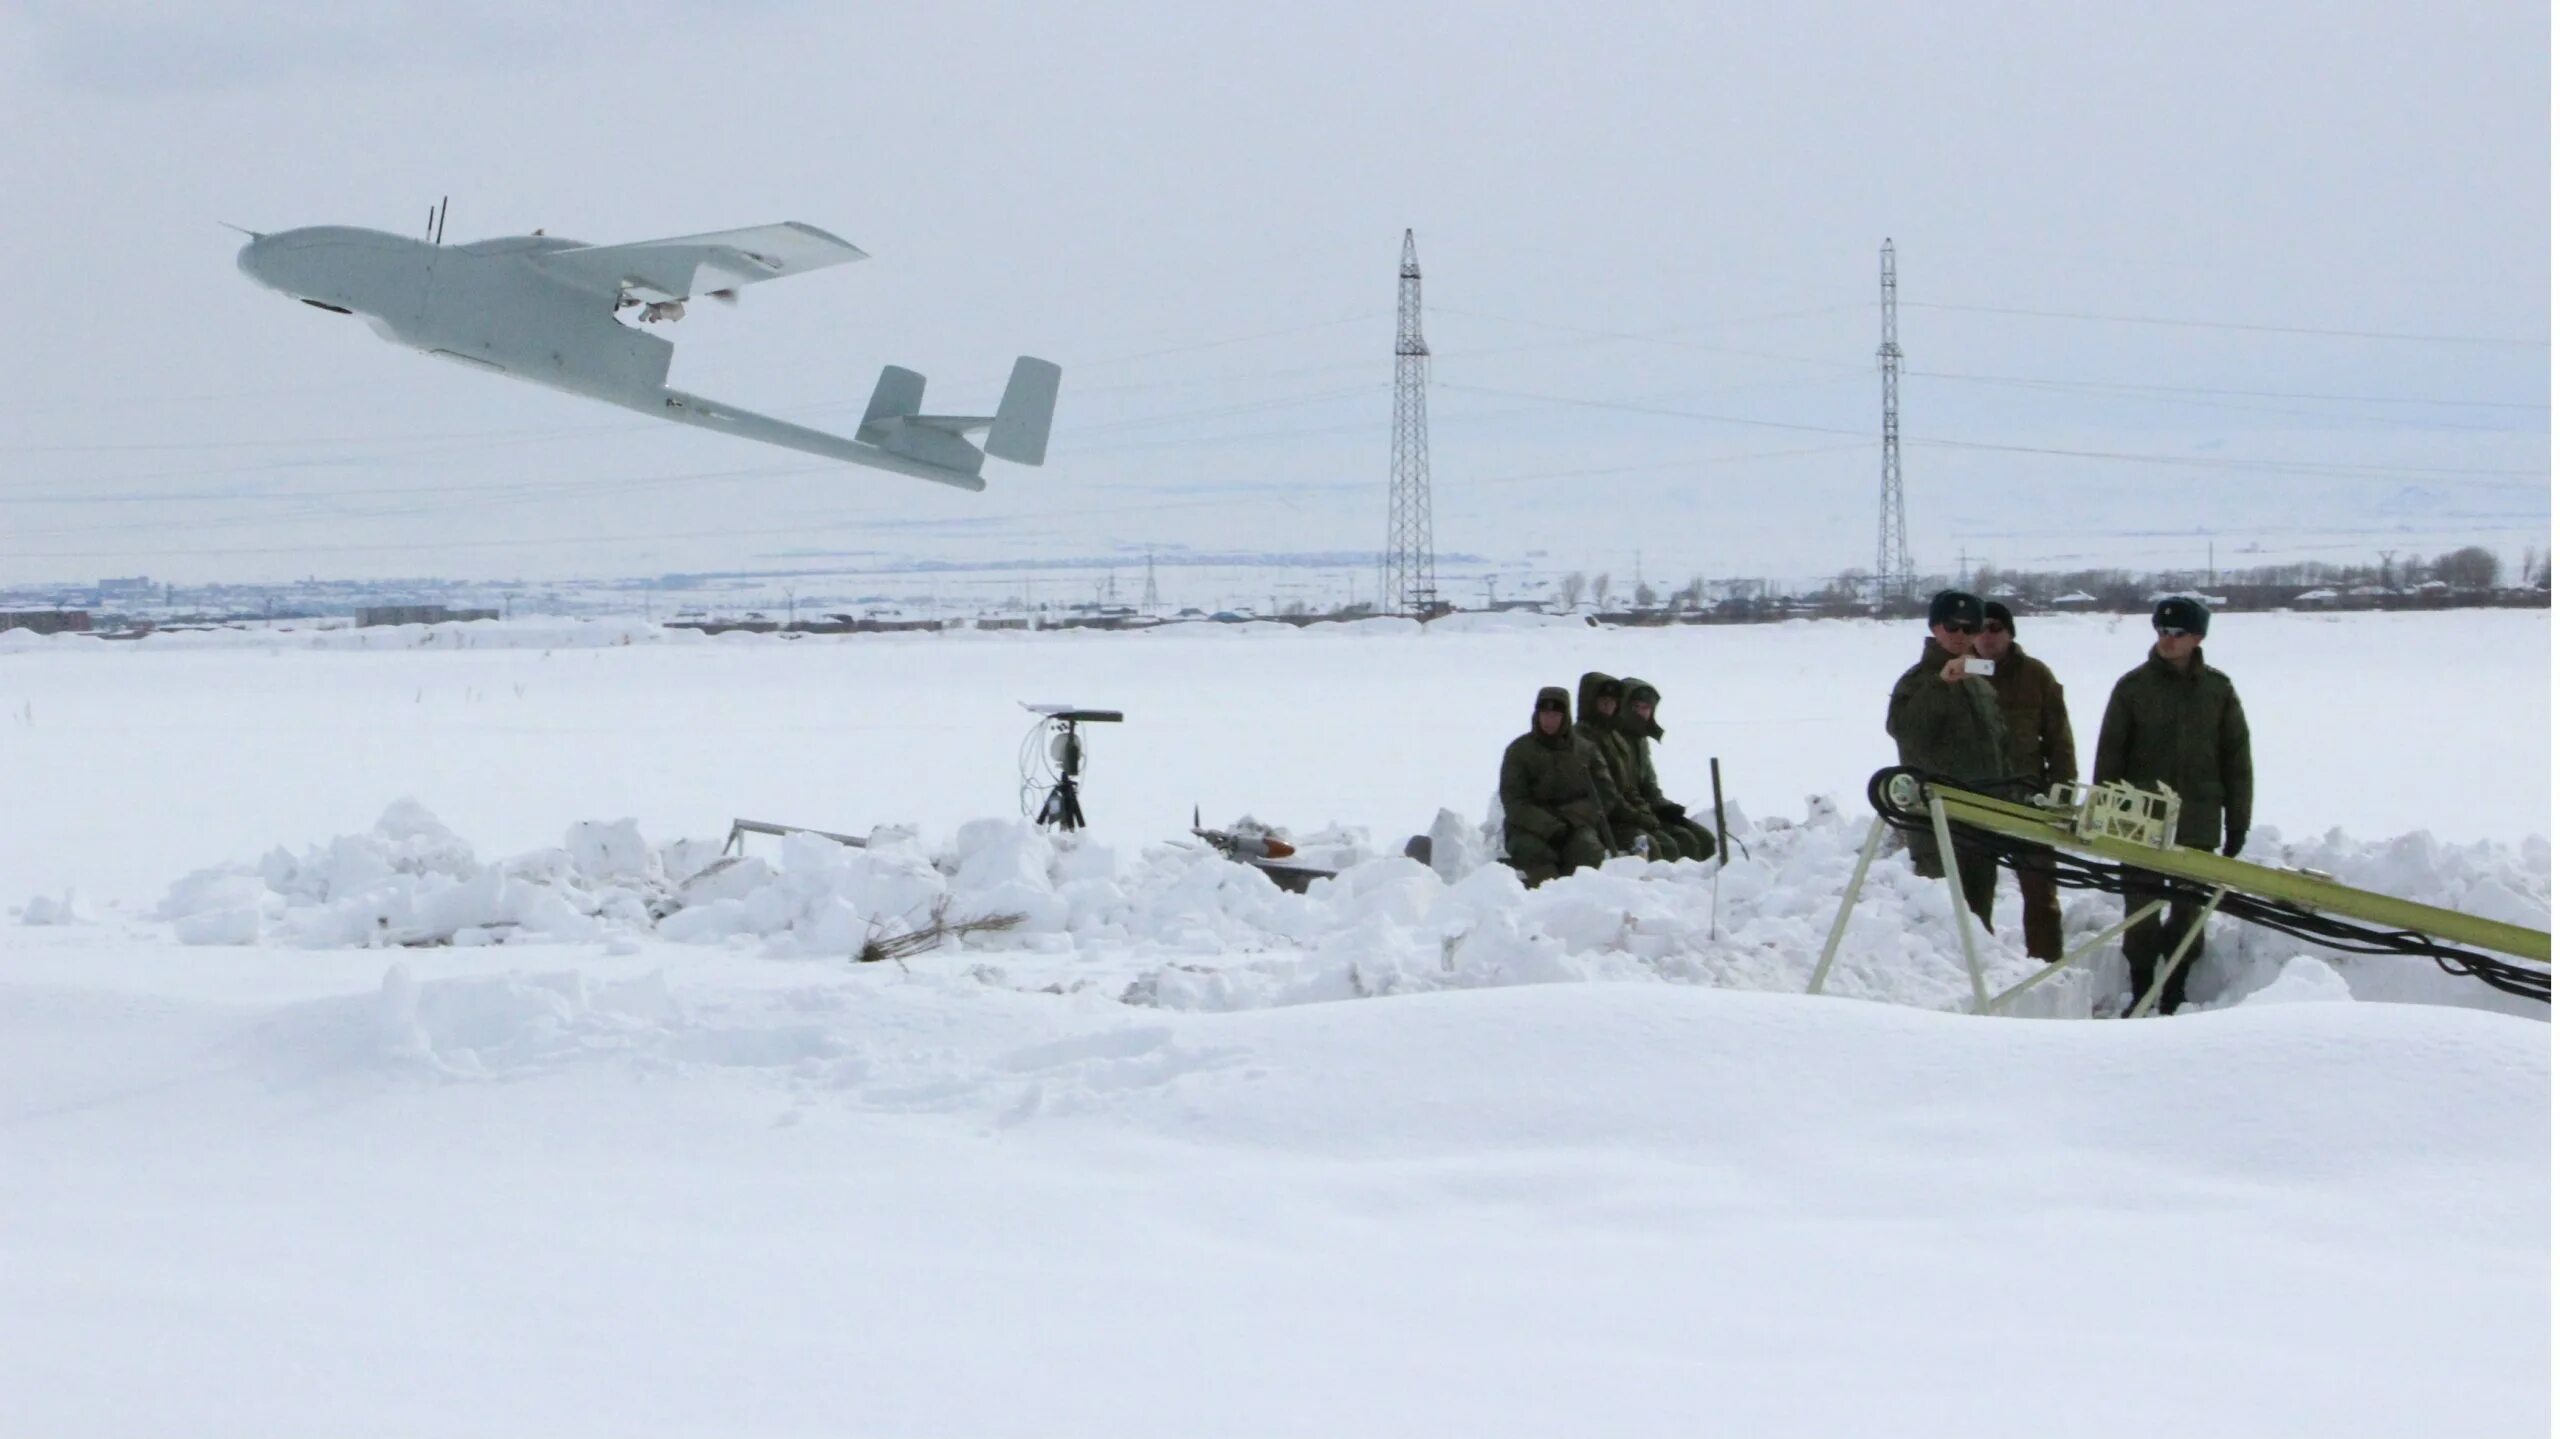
(2071, 871)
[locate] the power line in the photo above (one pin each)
(1282, 495)
(2210, 401)
(2542, 344)
(1199, 345)
(2244, 394)
(2507, 476)
(1665, 337)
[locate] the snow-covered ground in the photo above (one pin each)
(384, 1051)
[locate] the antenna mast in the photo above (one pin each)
(1407, 584)
(1893, 540)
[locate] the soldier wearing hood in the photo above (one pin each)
(1599, 706)
(1675, 835)
(1556, 795)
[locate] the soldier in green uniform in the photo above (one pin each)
(1947, 722)
(1556, 796)
(1675, 835)
(2176, 720)
(2040, 756)
(1598, 711)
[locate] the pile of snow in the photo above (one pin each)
(46, 909)
(1477, 622)
(1177, 925)
(2507, 883)
(409, 881)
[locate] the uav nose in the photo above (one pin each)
(253, 263)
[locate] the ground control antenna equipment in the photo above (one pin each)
(1052, 762)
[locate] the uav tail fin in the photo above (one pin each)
(898, 396)
(1017, 431)
(1021, 430)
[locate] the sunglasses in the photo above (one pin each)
(2171, 630)
(1963, 629)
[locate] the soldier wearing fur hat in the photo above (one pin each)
(2175, 720)
(1947, 722)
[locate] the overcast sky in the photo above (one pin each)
(1649, 234)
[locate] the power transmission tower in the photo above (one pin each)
(1406, 582)
(1893, 541)
(1149, 602)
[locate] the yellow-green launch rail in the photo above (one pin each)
(2300, 888)
(2117, 839)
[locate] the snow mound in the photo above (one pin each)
(48, 910)
(1492, 622)
(1177, 926)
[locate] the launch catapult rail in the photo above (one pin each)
(2117, 839)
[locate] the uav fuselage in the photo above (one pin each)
(489, 303)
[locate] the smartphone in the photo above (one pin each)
(1977, 665)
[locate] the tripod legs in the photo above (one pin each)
(1063, 808)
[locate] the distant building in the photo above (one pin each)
(46, 622)
(371, 615)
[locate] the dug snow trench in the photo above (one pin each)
(653, 1194)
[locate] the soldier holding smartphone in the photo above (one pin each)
(1945, 719)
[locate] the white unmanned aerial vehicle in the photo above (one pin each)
(546, 310)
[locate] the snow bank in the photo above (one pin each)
(46, 909)
(1480, 622)
(568, 633)
(614, 1205)
(1177, 926)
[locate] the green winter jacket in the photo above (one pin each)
(1552, 784)
(2184, 727)
(1605, 736)
(1949, 729)
(2040, 746)
(1643, 787)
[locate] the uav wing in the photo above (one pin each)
(690, 265)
